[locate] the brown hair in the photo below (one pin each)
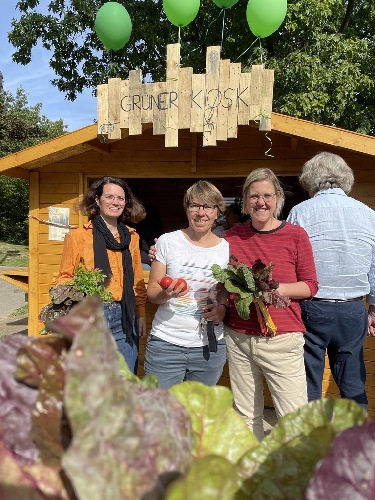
(133, 211)
(206, 192)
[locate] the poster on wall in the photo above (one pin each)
(58, 223)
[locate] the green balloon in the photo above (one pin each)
(113, 25)
(225, 4)
(181, 12)
(265, 16)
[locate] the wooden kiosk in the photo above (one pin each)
(161, 137)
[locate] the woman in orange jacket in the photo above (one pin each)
(108, 244)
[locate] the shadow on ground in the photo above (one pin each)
(11, 325)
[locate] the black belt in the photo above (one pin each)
(338, 300)
(212, 340)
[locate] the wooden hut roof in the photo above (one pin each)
(86, 139)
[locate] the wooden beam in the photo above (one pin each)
(194, 152)
(100, 147)
(51, 148)
(294, 141)
(33, 296)
(324, 134)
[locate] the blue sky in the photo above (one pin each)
(35, 79)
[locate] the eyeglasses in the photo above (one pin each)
(254, 198)
(194, 207)
(111, 197)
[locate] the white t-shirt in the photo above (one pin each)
(178, 321)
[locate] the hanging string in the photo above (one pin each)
(248, 49)
(222, 32)
(268, 152)
(209, 26)
(57, 224)
(179, 35)
(260, 50)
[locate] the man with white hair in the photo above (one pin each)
(342, 234)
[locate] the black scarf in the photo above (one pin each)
(103, 239)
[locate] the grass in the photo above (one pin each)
(13, 255)
(21, 311)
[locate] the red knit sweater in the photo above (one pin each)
(289, 248)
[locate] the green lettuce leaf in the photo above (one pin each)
(212, 415)
(281, 466)
(210, 477)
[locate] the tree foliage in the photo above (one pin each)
(322, 55)
(22, 126)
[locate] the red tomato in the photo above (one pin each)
(181, 281)
(165, 282)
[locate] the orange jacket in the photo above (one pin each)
(78, 244)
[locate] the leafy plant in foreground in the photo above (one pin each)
(252, 285)
(74, 425)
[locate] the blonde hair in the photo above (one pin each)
(264, 174)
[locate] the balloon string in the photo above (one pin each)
(247, 49)
(209, 26)
(260, 50)
(179, 35)
(222, 31)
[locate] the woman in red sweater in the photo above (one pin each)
(251, 354)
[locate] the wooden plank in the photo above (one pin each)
(58, 199)
(244, 98)
(82, 187)
(58, 177)
(114, 131)
(33, 304)
(146, 103)
(171, 113)
(159, 105)
(184, 97)
(255, 92)
(266, 99)
(222, 117)
(102, 103)
(124, 104)
(58, 188)
(194, 152)
(18, 279)
(135, 83)
(234, 83)
(212, 100)
(197, 102)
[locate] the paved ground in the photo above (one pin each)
(11, 298)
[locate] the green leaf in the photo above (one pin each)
(212, 415)
(243, 306)
(210, 477)
(282, 465)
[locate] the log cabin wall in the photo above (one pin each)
(160, 176)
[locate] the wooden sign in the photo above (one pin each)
(214, 103)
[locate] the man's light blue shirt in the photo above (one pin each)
(342, 235)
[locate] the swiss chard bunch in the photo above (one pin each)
(252, 285)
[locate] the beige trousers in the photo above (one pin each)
(279, 360)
